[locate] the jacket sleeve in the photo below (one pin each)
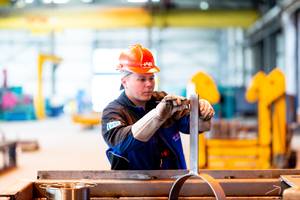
(183, 121)
(116, 131)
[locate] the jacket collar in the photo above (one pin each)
(125, 101)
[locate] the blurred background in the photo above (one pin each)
(58, 63)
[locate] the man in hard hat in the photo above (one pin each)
(142, 127)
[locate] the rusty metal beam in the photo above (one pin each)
(186, 198)
(162, 174)
(192, 187)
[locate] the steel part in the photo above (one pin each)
(68, 190)
(193, 198)
(68, 194)
(163, 174)
(194, 131)
(214, 185)
(184, 102)
(165, 198)
(194, 150)
(191, 187)
(156, 188)
(291, 180)
(68, 184)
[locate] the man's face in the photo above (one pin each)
(139, 87)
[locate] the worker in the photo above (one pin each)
(141, 126)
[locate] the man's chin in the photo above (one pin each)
(147, 97)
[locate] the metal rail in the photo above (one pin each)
(194, 148)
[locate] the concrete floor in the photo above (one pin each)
(65, 145)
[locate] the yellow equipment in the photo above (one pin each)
(38, 99)
(272, 133)
(206, 88)
(269, 149)
(88, 120)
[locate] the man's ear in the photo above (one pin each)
(123, 81)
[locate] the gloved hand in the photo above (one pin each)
(145, 127)
(169, 105)
(206, 112)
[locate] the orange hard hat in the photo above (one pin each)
(137, 59)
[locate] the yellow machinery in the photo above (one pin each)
(88, 120)
(270, 90)
(269, 149)
(38, 99)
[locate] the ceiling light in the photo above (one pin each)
(137, 1)
(29, 1)
(204, 5)
(55, 1)
(141, 1)
(87, 1)
(60, 1)
(20, 4)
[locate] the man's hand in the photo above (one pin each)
(145, 127)
(206, 110)
(169, 105)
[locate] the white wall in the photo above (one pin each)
(181, 52)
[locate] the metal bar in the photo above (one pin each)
(191, 188)
(213, 184)
(181, 198)
(291, 180)
(194, 198)
(194, 131)
(163, 174)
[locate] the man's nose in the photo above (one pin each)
(149, 83)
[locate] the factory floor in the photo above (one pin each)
(65, 145)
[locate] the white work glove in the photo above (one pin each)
(206, 112)
(144, 128)
(169, 105)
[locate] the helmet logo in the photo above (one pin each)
(147, 63)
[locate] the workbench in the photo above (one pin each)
(156, 184)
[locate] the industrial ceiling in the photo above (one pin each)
(260, 6)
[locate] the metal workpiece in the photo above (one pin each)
(191, 187)
(145, 189)
(194, 149)
(162, 174)
(292, 193)
(291, 180)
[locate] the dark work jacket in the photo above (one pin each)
(162, 151)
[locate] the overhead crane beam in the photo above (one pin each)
(45, 20)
